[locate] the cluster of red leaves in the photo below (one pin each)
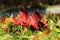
(26, 19)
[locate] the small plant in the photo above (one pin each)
(30, 27)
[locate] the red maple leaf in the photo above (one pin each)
(22, 19)
(24, 16)
(36, 17)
